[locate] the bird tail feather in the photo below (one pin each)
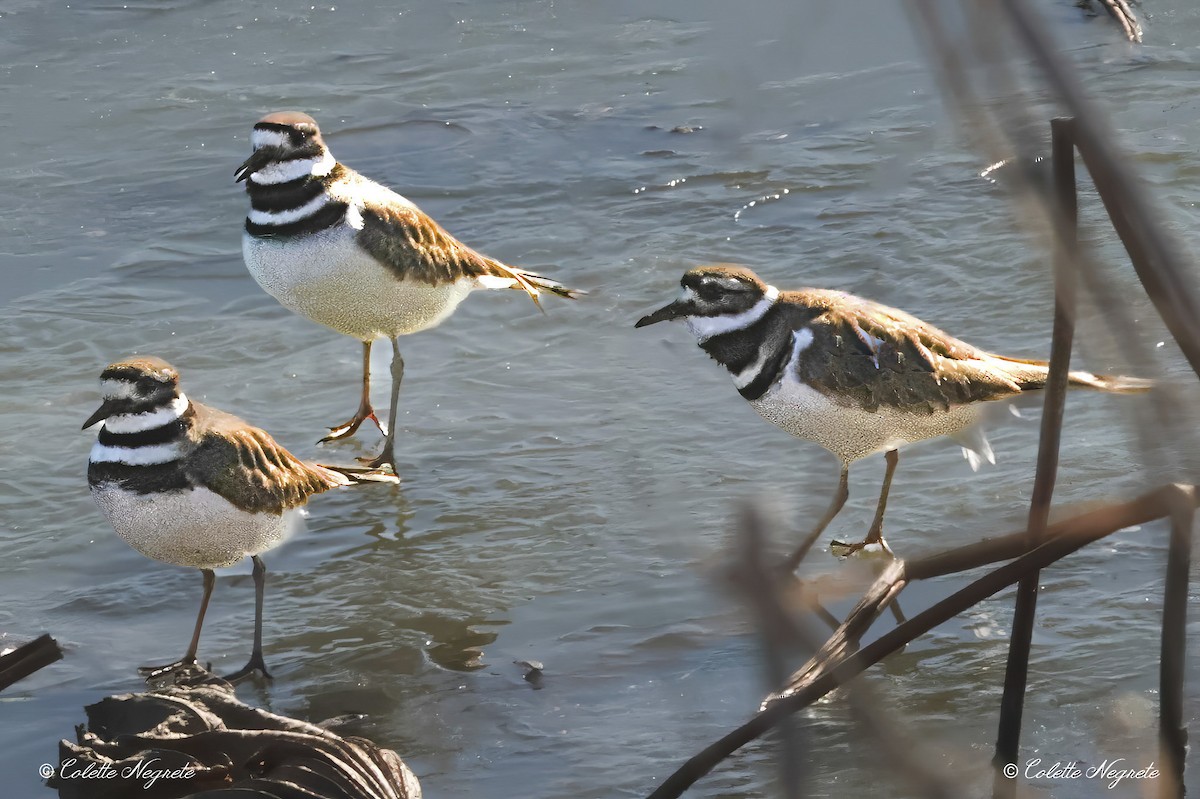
(1033, 374)
(1117, 384)
(533, 284)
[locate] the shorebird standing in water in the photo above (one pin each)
(856, 377)
(189, 485)
(355, 256)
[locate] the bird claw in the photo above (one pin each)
(350, 426)
(868, 546)
(255, 664)
(385, 462)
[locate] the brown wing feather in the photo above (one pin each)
(413, 246)
(875, 355)
(245, 466)
(410, 244)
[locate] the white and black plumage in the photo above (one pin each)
(189, 485)
(856, 377)
(353, 255)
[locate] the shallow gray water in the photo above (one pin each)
(568, 482)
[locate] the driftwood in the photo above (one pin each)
(195, 739)
(28, 658)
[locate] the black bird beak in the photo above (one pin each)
(257, 160)
(668, 312)
(106, 409)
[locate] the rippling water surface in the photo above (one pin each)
(568, 482)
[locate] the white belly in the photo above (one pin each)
(327, 278)
(851, 432)
(196, 528)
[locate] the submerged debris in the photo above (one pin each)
(534, 671)
(19, 662)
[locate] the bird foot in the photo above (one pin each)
(255, 664)
(871, 545)
(385, 462)
(350, 426)
(364, 474)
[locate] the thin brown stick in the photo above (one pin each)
(1172, 733)
(1141, 509)
(845, 639)
(1016, 673)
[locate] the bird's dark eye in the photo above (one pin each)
(709, 292)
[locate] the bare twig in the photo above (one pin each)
(1174, 647)
(1016, 674)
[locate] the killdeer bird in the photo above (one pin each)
(355, 256)
(854, 376)
(186, 484)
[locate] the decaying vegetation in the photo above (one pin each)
(194, 738)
